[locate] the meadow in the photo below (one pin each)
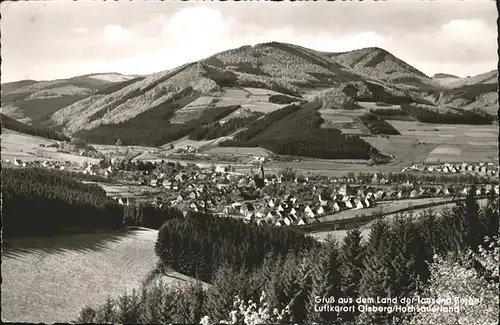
(28, 148)
(59, 275)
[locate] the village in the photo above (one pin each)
(481, 168)
(281, 199)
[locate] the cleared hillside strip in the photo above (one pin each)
(135, 93)
(153, 127)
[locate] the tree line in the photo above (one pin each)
(40, 202)
(199, 244)
(429, 116)
(43, 202)
(217, 129)
(377, 125)
(14, 125)
(391, 262)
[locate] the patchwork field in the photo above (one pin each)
(436, 143)
(47, 280)
(250, 99)
(456, 133)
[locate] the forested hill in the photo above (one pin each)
(243, 84)
(279, 269)
(14, 125)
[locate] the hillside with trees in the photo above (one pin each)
(377, 125)
(41, 202)
(219, 129)
(153, 127)
(14, 125)
(424, 114)
(277, 132)
(403, 258)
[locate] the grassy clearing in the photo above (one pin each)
(253, 151)
(48, 280)
(26, 147)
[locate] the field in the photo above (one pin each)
(436, 143)
(438, 209)
(253, 151)
(135, 191)
(250, 99)
(339, 235)
(337, 168)
(47, 280)
(381, 207)
(335, 120)
(192, 110)
(27, 148)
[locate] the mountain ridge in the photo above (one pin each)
(247, 80)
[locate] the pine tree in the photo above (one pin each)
(296, 285)
(326, 282)
(220, 296)
(375, 281)
(352, 256)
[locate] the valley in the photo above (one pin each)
(259, 149)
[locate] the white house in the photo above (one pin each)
(308, 211)
(288, 221)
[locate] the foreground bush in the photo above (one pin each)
(473, 276)
(250, 313)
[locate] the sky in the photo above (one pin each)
(44, 40)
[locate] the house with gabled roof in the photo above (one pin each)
(322, 201)
(339, 206)
(380, 195)
(271, 203)
(194, 206)
(414, 193)
(366, 203)
(308, 211)
(302, 221)
(320, 211)
(288, 221)
(271, 214)
(358, 204)
(124, 201)
(293, 216)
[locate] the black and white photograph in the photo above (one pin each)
(250, 162)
